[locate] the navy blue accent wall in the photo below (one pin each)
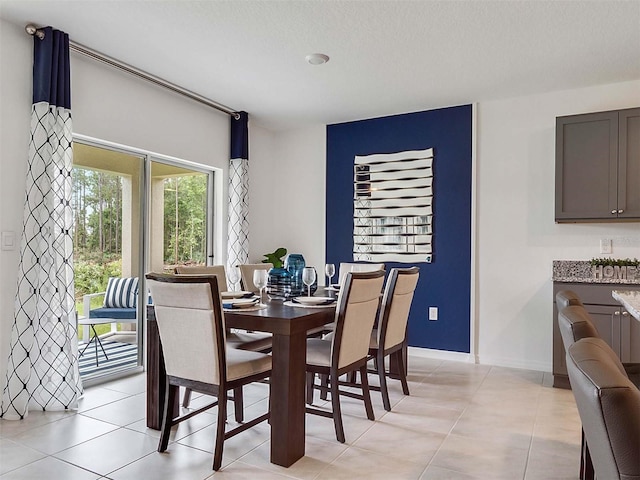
(445, 283)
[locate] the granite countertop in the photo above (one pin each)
(581, 271)
(629, 300)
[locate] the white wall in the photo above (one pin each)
(517, 236)
(106, 105)
(287, 193)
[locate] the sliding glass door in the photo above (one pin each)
(133, 213)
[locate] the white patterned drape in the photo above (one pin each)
(238, 218)
(42, 370)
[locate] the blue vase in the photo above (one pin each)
(294, 265)
(279, 284)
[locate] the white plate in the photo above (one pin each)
(313, 300)
(240, 302)
(227, 295)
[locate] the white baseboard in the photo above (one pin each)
(482, 360)
(511, 363)
(441, 354)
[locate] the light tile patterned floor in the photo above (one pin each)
(461, 422)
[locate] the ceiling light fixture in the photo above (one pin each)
(317, 58)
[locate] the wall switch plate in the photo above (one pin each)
(606, 245)
(8, 241)
(433, 313)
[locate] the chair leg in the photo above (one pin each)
(187, 397)
(337, 412)
(403, 372)
(310, 379)
(238, 404)
(168, 413)
(222, 416)
(324, 381)
(384, 391)
(366, 395)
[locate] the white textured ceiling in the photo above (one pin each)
(387, 57)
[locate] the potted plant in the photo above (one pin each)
(279, 285)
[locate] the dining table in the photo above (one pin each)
(289, 326)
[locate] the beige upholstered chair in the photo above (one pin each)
(348, 350)
(254, 341)
(609, 407)
(246, 275)
(217, 270)
(192, 331)
(357, 267)
(390, 337)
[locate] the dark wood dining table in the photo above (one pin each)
(289, 326)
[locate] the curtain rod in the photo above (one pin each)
(76, 47)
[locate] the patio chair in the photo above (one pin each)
(192, 331)
(120, 303)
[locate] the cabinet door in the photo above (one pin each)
(629, 164)
(587, 166)
(607, 322)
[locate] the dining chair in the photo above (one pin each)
(348, 349)
(246, 275)
(218, 270)
(192, 331)
(609, 408)
(346, 267)
(390, 336)
(252, 341)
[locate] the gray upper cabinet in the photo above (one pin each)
(598, 167)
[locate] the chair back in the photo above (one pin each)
(564, 298)
(574, 324)
(355, 315)
(246, 275)
(217, 270)
(396, 303)
(191, 325)
(346, 267)
(609, 407)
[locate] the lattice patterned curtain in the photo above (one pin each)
(42, 369)
(238, 226)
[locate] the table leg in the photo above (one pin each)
(288, 399)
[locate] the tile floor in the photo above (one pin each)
(461, 422)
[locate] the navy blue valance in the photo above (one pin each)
(240, 136)
(51, 70)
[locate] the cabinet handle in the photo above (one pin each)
(613, 212)
(625, 314)
(620, 211)
(617, 312)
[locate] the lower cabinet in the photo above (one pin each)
(614, 324)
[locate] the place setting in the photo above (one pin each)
(308, 277)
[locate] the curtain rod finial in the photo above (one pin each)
(33, 30)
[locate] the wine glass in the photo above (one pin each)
(329, 271)
(260, 279)
(308, 277)
(234, 277)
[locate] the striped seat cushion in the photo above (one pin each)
(121, 293)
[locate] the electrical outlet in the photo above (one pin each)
(606, 245)
(433, 313)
